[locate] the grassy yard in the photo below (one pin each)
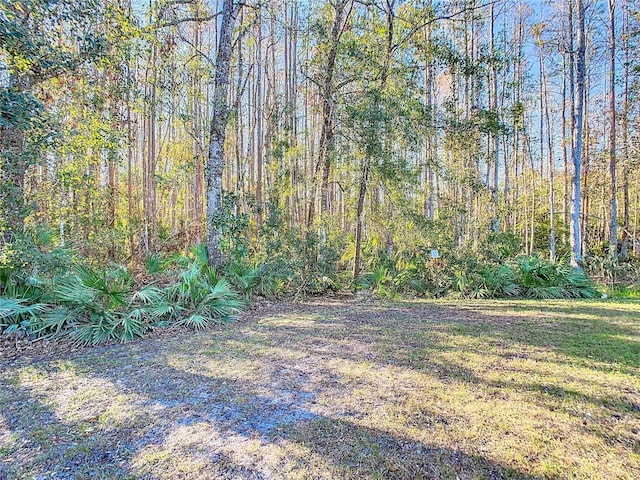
(333, 389)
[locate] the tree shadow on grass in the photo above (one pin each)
(40, 445)
(422, 339)
(589, 307)
(392, 332)
(613, 338)
(414, 336)
(348, 450)
(602, 340)
(176, 400)
(225, 414)
(360, 452)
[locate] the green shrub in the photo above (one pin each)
(291, 261)
(203, 296)
(380, 282)
(95, 306)
(538, 278)
(631, 291)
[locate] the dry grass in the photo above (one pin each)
(342, 389)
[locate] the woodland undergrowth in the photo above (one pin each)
(50, 292)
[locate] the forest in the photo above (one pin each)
(166, 161)
(321, 240)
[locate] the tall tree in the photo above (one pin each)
(576, 153)
(624, 246)
(219, 118)
(613, 202)
(326, 84)
(31, 48)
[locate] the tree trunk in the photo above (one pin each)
(613, 202)
(198, 154)
(359, 213)
(565, 156)
(550, 163)
(576, 153)
(259, 106)
(327, 142)
(220, 115)
(13, 168)
(624, 246)
(494, 135)
(429, 141)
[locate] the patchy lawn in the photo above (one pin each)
(341, 389)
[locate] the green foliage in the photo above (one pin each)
(232, 225)
(47, 293)
(29, 261)
(29, 35)
(611, 272)
(154, 264)
(17, 314)
(286, 260)
(542, 279)
(379, 282)
(499, 281)
(202, 292)
(245, 279)
(496, 247)
(18, 108)
(469, 276)
(631, 291)
(469, 284)
(414, 278)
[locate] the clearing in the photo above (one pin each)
(341, 388)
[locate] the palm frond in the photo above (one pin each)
(147, 295)
(99, 329)
(220, 309)
(195, 321)
(160, 310)
(153, 263)
(200, 254)
(131, 325)
(221, 289)
(16, 311)
(53, 323)
(72, 290)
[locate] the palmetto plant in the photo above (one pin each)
(93, 306)
(542, 279)
(99, 306)
(379, 281)
(17, 314)
(245, 278)
(470, 285)
(154, 264)
(499, 281)
(410, 277)
(203, 295)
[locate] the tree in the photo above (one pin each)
(33, 53)
(613, 203)
(327, 88)
(219, 118)
(546, 118)
(624, 247)
(576, 153)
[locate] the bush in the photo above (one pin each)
(466, 276)
(202, 295)
(542, 279)
(288, 260)
(95, 306)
